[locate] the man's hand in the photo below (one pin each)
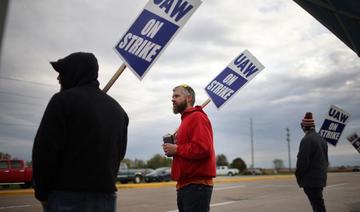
(169, 149)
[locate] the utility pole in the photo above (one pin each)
(288, 140)
(252, 144)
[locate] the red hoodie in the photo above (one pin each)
(195, 156)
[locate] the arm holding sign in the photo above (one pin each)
(303, 158)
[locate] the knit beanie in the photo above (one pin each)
(308, 120)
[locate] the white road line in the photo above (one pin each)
(230, 187)
(222, 203)
(15, 206)
(214, 205)
(336, 185)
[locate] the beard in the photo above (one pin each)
(179, 108)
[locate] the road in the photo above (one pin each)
(256, 194)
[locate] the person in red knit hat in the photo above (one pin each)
(194, 162)
(312, 164)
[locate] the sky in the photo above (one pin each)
(307, 68)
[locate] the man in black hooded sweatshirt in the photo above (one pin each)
(80, 141)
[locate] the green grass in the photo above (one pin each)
(9, 187)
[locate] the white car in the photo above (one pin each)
(224, 170)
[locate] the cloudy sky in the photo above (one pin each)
(306, 69)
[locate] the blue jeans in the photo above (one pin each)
(316, 199)
(61, 201)
(194, 198)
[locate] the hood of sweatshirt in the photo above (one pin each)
(191, 110)
(77, 69)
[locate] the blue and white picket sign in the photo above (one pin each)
(334, 124)
(355, 141)
(152, 31)
(237, 74)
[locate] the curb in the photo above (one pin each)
(15, 192)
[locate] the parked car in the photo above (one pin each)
(126, 175)
(224, 170)
(15, 172)
(254, 171)
(159, 175)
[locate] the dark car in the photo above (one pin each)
(159, 175)
(126, 175)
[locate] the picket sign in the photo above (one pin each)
(149, 35)
(235, 76)
(334, 124)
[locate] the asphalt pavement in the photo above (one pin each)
(258, 193)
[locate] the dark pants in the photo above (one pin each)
(194, 198)
(315, 196)
(61, 201)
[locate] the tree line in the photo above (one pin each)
(159, 160)
(5, 156)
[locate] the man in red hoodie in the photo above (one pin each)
(194, 163)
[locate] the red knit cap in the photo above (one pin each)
(308, 120)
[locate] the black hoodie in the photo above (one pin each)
(83, 134)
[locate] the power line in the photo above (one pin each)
(20, 95)
(23, 81)
(26, 81)
(22, 125)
